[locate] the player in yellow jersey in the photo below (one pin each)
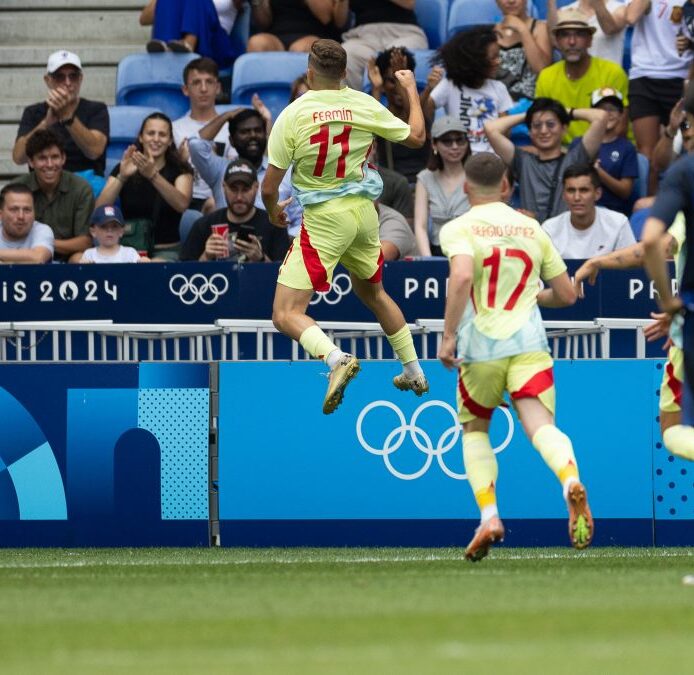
(678, 438)
(498, 256)
(326, 135)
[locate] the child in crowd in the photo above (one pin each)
(107, 230)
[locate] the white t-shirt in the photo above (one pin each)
(610, 231)
(186, 127)
(226, 11)
(125, 254)
(40, 234)
(610, 47)
(653, 51)
(474, 107)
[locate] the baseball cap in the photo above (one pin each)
(240, 170)
(605, 94)
(571, 18)
(107, 214)
(443, 125)
(62, 58)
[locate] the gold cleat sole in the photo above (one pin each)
(580, 518)
(339, 377)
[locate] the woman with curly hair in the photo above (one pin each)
(469, 91)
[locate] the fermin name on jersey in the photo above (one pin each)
(344, 115)
(505, 231)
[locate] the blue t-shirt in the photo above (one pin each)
(618, 158)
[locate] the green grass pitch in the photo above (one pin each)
(346, 611)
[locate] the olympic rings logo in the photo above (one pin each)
(341, 286)
(421, 439)
(198, 288)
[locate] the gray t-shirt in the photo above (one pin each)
(394, 228)
(535, 179)
(442, 207)
(39, 235)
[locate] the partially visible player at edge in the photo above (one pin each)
(501, 255)
(678, 439)
(326, 135)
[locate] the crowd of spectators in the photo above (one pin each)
(550, 98)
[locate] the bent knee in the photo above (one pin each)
(264, 42)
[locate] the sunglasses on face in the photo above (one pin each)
(453, 140)
(550, 125)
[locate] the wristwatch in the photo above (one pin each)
(68, 122)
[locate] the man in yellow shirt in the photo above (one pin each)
(572, 80)
(326, 136)
(498, 257)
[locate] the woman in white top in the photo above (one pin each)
(608, 17)
(439, 195)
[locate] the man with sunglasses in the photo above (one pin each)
(83, 125)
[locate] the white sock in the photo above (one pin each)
(489, 512)
(334, 357)
(412, 368)
(567, 484)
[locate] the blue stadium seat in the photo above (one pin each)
(153, 80)
(422, 66)
(188, 218)
(432, 17)
(270, 75)
(468, 13)
(125, 122)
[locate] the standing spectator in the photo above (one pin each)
(524, 49)
(439, 195)
(82, 124)
(608, 17)
(290, 25)
(22, 239)
(573, 80)
(378, 25)
(107, 230)
(381, 71)
(586, 230)
(153, 183)
(201, 26)
(249, 235)
(397, 238)
(657, 73)
(62, 200)
(201, 85)
(469, 91)
(539, 170)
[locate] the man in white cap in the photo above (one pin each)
(82, 124)
(572, 80)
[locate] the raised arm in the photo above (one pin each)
(635, 10)
(610, 22)
(592, 139)
(497, 131)
(212, 128)
(147, 13)
(418, 133)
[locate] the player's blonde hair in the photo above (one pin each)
(328, 59)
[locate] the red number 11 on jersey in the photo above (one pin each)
(322, 138)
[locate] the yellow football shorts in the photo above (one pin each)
(673, 377)
(341, 230)
(481, 385)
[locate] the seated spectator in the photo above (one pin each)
(154, 184)
(617, 163)
(378, 25)
(299, 88)
(200, 26)
(609, 19)
(469, 91)
(524, 49)
(62, 200)
(201, 85)
(538, 170)
(83, 125)
(291, 25)
(397, 238)
(572, 80)
(439, 195)
(22, 239)
(107, 229)
(248, 136)
(395, 156)
(585, 229)
(396, 193)
(239, 232)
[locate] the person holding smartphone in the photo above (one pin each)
(241, 232)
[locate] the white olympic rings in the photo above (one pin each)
(341, 286)
(198, 287)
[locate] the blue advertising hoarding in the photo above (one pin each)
(104, 455)
(386, 467)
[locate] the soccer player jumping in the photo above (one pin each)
(500, 255)
(326, 135)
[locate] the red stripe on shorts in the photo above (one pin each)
(674, 384)
(475, 408)
(378, 274)
(314, 267)
(536, 384)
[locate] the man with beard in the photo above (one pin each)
(248, 135)
(239, 232)
(22, 239)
